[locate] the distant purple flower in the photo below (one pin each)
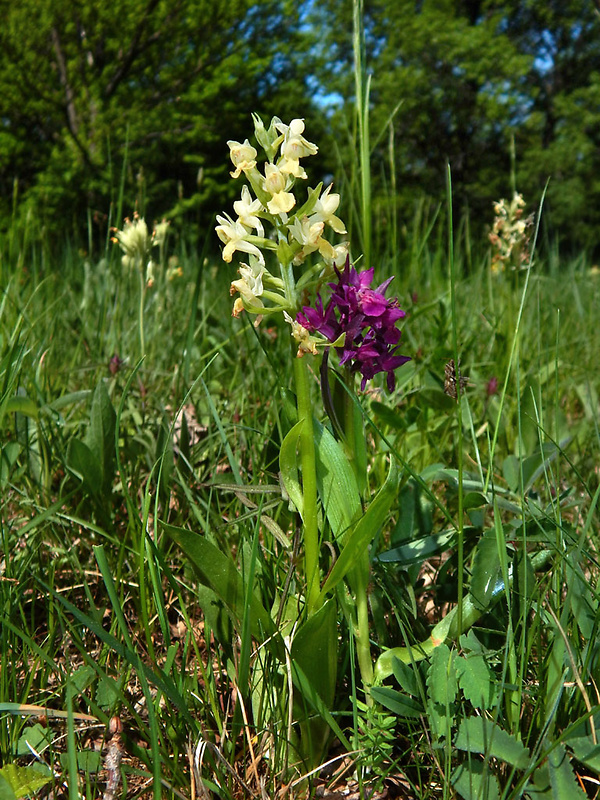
(366, 317)
(492, 386)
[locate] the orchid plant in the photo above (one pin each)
(288, 266)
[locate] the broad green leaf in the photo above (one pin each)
(474, 781)
(401, 704)
(586, 751)
(336, 482)
(314, 656)
(109, 691)
(535, 464)
(83, 462)
(538, 786)
(221, 574)
(486, 570)
(405, 675)
(288, 465)
(88, 761)
(442, 688)
(562, 779)
(389, 415)
(9, 453)
(82, 678)
(21, 781)
(309, 694)
(510, 472)
(482, 735)
(419, 549)
(415, 517)
(314, 649)
(441, 676)
(363, 532)
(36, 737)
(476, 680)
(6, 790)
(100, 436)
(21, 404)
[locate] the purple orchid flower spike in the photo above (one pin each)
(367, 318)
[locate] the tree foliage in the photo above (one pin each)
(154, 87)
(458, 81)
(143, 94)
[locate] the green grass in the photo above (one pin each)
(102, 615)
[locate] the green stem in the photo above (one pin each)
(141, 311)
(360, 580)
(309, 485)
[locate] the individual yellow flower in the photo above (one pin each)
(291, 166)
(275, 183)
(247, 209)
(233, 235)
(250, 285)
(294, 144)
(324, 210)
(242, 155)
(309, 234)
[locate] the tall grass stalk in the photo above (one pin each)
(362, 83)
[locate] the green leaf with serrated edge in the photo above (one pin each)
(363, 532)
(562, 778)
(476, 680)
(336, 482)
(441, 676)
(442, 688)
(220, 574)
(471, 644)
(6, 790)
(405, 675)
(88, 761)
(481, 735)
(401, 704)
(82, 678)
(22, 781)
(474, 781)
(486, 570)
(586, 751)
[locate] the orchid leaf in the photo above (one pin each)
(364, 531)
(288, 464)
(336, 482)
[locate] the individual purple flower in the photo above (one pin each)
(366, 317)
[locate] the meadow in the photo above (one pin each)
(192, 608)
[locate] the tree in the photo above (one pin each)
(456, 82)
(152, 87)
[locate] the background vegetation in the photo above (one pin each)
(142, 94)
